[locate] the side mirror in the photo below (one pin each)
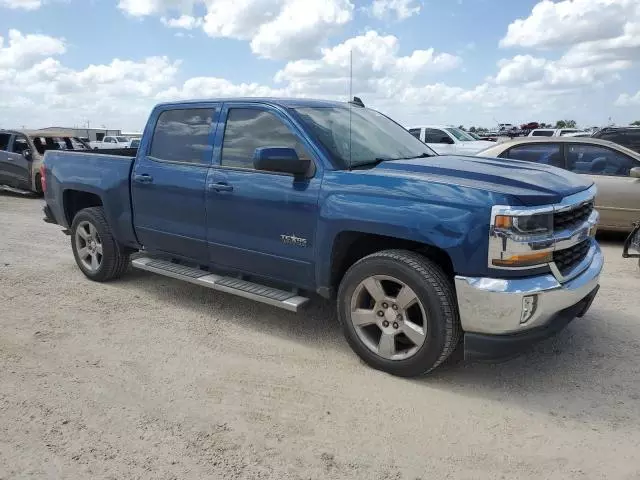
(26, 153)
(635, 172)
(446, 139)
(280, 159)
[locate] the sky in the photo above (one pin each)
(463, 62)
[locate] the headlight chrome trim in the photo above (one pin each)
(505, 243)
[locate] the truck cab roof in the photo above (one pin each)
(283, 102)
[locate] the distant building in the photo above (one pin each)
(92, 134)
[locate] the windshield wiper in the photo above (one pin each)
(422, 155)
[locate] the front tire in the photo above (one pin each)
(96, 251)
(398, 312)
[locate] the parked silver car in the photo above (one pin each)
(614, 169)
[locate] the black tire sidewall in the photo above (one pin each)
(430, 352)
(96, 218)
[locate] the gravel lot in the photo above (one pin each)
(148, 377)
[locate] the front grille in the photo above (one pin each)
(569, 257)
(572, 218)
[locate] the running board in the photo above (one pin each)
(242, 288)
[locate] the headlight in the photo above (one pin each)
(539, 224)
(513, 237)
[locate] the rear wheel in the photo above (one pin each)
(95, 249)
(37, 187)
(398, 312)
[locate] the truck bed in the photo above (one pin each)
(93, 172)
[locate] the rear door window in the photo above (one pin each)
(544, 153)
(415, 132)
(183, 136)
(4, 141)
(20, 144)
(597, 160)
(434, 135)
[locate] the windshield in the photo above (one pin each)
(460, 134)
(374, 137)
(122, 139)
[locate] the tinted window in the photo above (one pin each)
(615, 137)
(183, 136)
(248, 129)
(545, 153)
(633, 140)
(415, 132)
(596, 160)
(433, 135)
(4, 141)
(542, 133)
(20, 144)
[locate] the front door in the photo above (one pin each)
(261, 222)
(618, 197)
(168, 181)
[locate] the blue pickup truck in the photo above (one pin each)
(277, 199)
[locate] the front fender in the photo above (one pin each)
(461, 230)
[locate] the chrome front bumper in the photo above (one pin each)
(495, 306)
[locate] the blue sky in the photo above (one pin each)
(470, 62)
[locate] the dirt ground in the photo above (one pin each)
(152, 378)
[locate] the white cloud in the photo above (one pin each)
(569, 22)
(22, 50)
(275, 28)
(21, 4)
(400, 9)
(212, 87)
(375, 58)
(628, 100)
(121, 91)
(186, 22)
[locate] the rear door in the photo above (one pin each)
(168, 180)
(5, 139)
(618, 197)
(18, 166)
(261, 222)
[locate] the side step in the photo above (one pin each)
(254, 291)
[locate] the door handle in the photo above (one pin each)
(220, 187)
(143, 178)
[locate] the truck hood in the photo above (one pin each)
(531, 183)
(473, 147)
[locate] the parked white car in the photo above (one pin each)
(111, 142)
(449, 140)
(557, 132)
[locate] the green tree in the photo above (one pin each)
(566, 124)
(636, 123)
(461, 127)
(473, 129)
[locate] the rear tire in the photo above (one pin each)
(37, 187)
(96, 251)
(410, 324)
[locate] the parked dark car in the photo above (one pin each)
(626, 136)
(22, 152)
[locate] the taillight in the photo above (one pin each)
(43, 181)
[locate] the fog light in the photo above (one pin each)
(529, 304)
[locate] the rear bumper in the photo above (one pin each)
(502, 316)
